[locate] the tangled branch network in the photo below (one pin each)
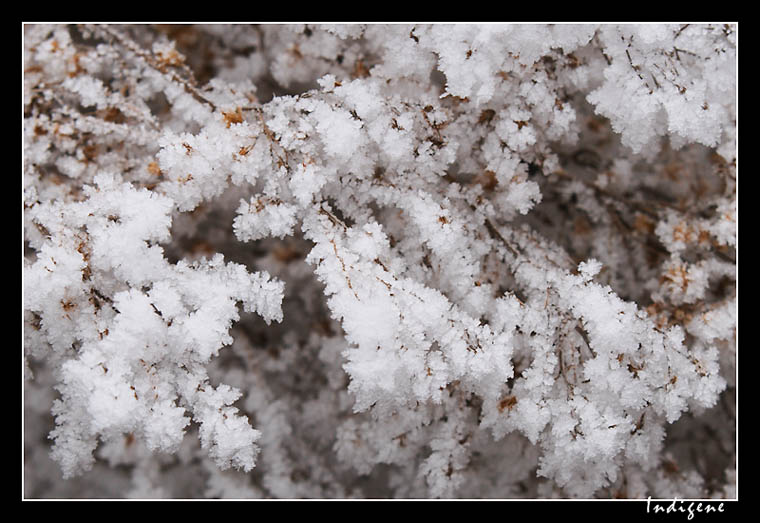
(366, 260)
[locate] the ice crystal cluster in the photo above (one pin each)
(379, 260)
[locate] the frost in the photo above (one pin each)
(380, 260)
(264, 217)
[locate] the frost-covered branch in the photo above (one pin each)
(380, 260)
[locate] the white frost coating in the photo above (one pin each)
(367, 261)
(261, 218)
(134, 343)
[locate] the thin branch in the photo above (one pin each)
(151, 61)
